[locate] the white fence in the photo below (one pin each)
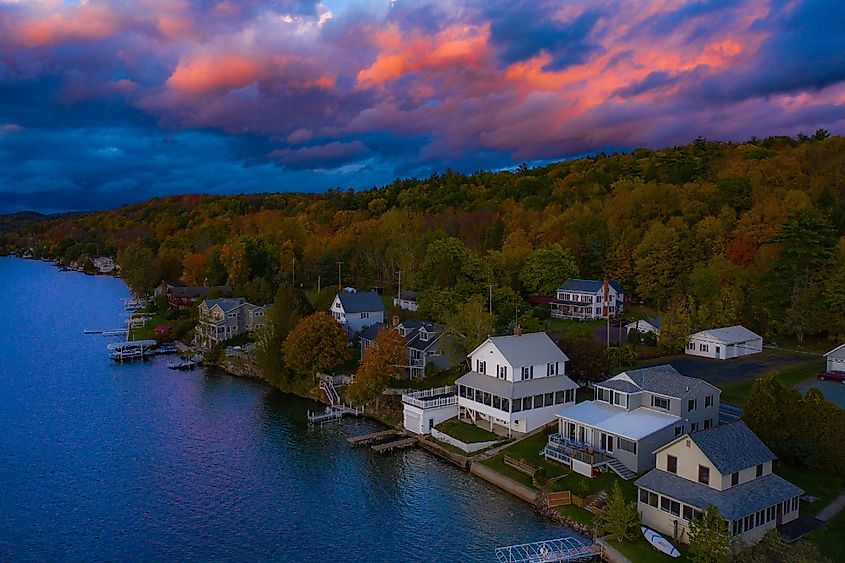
(469, 448)
(432, 398)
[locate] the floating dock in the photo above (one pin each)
(397, 445)
(131, 349)
(373, 437)
(553, 551)
(333, 413)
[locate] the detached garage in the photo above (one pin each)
(836, 359)
(724, 343)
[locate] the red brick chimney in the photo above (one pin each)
(517, 330)
(396, 320)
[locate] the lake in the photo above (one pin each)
(100, 461)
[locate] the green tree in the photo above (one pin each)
(138, 268)
(587, 359)
(546, 269)
(316, 344)
(676, 326)
(380, 364)
(289, 307)
(619, 518)
(468, 327)
(709, 538)
(656, 263)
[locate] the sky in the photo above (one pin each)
(104, 103)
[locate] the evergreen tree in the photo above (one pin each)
(619, 518)
(709, 539)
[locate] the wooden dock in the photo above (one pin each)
(366, 439)
(396, 445)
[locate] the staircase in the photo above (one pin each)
(331, 393)
(597, 502)
(619, 468)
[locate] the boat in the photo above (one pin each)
(131, 350)
(660, 543)
(183, 365)
(89, 331)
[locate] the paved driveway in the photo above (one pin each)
(832, 391)
(720, 372)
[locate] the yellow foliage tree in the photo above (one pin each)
(381, 364)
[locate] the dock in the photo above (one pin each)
(333, 413)
(397, 445)
(131, 350)
(373, 437)
(558, 550)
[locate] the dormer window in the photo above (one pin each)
(602, 394)
(402, 331)
(423, 335)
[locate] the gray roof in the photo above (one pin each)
(728, 335)
(654, 321)
(733, 503)
(732, 447)
(412, 333)
(838, 352)
(619, 385)
(199, 291)
(663, 380)
(361, 302)
(588, 286)
(371, 331)
(225, 304)
(516, 389)
(527, 349)
(408, 295)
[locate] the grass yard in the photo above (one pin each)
(574, 330)
(736, 393)
(638, 550)
(527, 449)
(830, 540)
(466, 433)
(825, 487)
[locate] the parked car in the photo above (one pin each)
(832, 376)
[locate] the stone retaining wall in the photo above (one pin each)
(503, 482)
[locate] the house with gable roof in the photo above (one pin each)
(425, 342)
(728, 467)
(584, 300)
(357, 311)
(517, 383)
(648, 324)
(836, 359)
(724, 343)
(633, 414)
(222, 319)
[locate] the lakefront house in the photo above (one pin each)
(517, 383)
(181, 296)
(426, 343)
(585, 300)
(724, 343)
(222, 319)
(728, 467)
(632, 415)
(355, 311)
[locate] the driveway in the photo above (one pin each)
(721, 372)
(832, 391)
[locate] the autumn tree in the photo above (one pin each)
(379, 365)
(289, 307)
(619, 518)
(139, 268)
(656, 263)
(676, 326)
(316, 344)
(546, 269)
(709, 538)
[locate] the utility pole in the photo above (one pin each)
(491, 298)
(399, 290)
(339, 264)
(606, 310)
(293, 272)
(318, 284)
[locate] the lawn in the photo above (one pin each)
(830, 540)
(639, 550)
(441, 379)
(736, 393)
(466, 433)
(574, 330)
(825, 487)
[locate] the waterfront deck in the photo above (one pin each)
(397, 445)
(372, 437)
(557, 550)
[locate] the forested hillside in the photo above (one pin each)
(719, 232)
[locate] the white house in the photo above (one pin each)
(517, 384)
(727, 467)
(648, 324)
(633, 414)
(423, 410)
(406, 300)
(584, 300)
(356, 311)
(724, 343)
(836, 359)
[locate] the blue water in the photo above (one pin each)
(136, 462)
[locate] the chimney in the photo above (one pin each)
(396, 321)
(517, 330)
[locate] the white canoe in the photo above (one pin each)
(659, 542)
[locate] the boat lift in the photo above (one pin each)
(131, 350)
(548, 551)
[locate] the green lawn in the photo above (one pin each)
(830, 540)
(466, 433)
(638, 550)
(447, 377)
(147, 332)
(736, 393)
(825, 487)
(574, 330)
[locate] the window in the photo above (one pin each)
(506, 405)
(517, 405)
(480, 366)
(620, 399)
(365, 315)
(570, 395)
(758, 518)
(760, 470)
(795, 504)
(703, 347)
(497, 402)
(652, 499)
(770, 514)
(672, 464)
(488, 399)
(703, 475)
(644, 496)
(602, 394)
(687, 512)
(551, 368)
(737, 527)
(526, 403)
(691, 346)
(528, 372)
(692, 404)
(559, 398)
(538, 401)
(462, 391)
(627, 446)
(749, 522)
(734, 479)
(670, 506)
(660, 402)
(549, 400)
(679, 430)
(693, 427)
(423, 336)
(707, 424)
(708, 401)
(502, 372)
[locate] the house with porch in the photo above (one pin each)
(423, 410)
(585, 300)
(222, 319)
(425, 341)
(724, 343)
(728, 467)
(517, 384)
(355, 311)
(632, 415)
(836, 359)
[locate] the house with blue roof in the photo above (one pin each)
(728, 467)
(585, 300)
(357, 311)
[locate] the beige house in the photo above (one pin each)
(728, 467)
(222, 319)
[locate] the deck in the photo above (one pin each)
(397, 445)
(372, 437)
(557, 550)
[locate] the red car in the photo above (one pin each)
(832, 376)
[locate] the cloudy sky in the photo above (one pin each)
(103, 103)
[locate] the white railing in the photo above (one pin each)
(432, 398)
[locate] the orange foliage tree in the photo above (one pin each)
(381, 364)
(316, 344)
